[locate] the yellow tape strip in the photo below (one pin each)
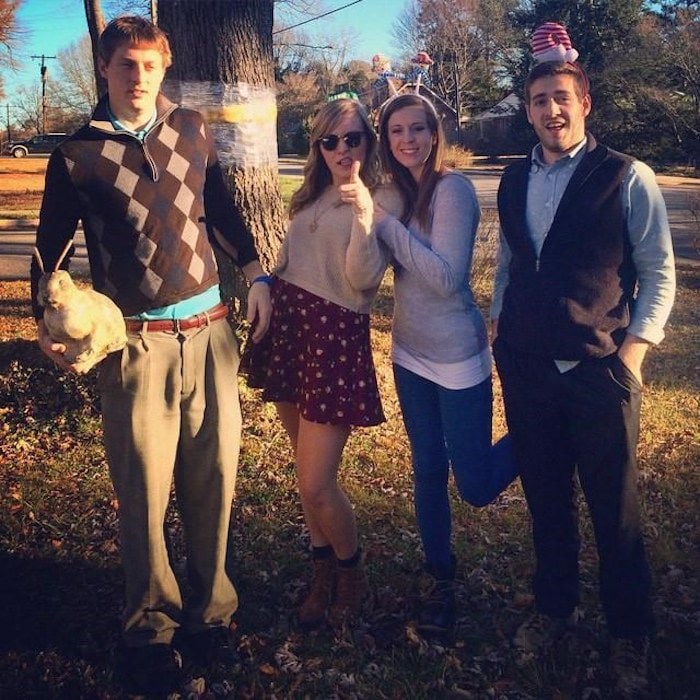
(254, 112)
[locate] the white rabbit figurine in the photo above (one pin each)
(87, 322)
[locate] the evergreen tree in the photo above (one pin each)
(609, 38)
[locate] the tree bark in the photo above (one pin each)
(96, 23)
(223, 66)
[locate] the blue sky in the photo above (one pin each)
(367, 23)
(52, 25)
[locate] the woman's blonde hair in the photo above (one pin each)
(316, 174)
(416, 196)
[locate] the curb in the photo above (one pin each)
(18, 223)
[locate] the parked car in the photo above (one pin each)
(41, 143)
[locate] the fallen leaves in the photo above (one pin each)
(61, 592)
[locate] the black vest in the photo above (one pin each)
(574, 302)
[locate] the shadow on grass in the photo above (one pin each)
(25, 351)
(32, 387)
(13, 308)
(70, 606)
(58, 627)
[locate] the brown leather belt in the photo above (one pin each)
(179, 324)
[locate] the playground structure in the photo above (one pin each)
(417, 80)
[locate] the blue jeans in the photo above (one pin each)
(450, 427)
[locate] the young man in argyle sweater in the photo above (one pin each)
(143, 177)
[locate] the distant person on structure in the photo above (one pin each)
(584, 286)
(144, 178)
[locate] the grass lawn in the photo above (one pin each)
(62, 586)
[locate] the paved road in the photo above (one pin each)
(684, 227)
(16, 241)
(16, 245)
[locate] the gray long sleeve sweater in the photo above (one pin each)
(435, 315)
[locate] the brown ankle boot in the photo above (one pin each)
(312, 612)
(352, 590)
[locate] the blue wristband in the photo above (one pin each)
(267, 279)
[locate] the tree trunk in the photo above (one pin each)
(223, 67)
(96, 23)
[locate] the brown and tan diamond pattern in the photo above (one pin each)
(144, 210)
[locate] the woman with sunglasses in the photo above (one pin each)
(440, 352)
(319, 369)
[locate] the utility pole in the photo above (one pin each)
(9, 133)
(44, 78)
(458, 104)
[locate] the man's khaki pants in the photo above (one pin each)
(170, 408)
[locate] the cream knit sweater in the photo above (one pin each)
(333, 254)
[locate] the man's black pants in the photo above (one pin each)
(583, 421)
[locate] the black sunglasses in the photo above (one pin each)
(352, 140)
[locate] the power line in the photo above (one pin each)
(306, 46)
(313, 19)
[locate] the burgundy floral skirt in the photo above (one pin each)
(317, 355)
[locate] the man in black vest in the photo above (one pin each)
(584, 286)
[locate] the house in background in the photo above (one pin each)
(490, 131)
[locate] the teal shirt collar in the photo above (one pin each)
(141, 133)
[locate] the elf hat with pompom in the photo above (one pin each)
(551, 42)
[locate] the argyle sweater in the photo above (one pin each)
(146, 208)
